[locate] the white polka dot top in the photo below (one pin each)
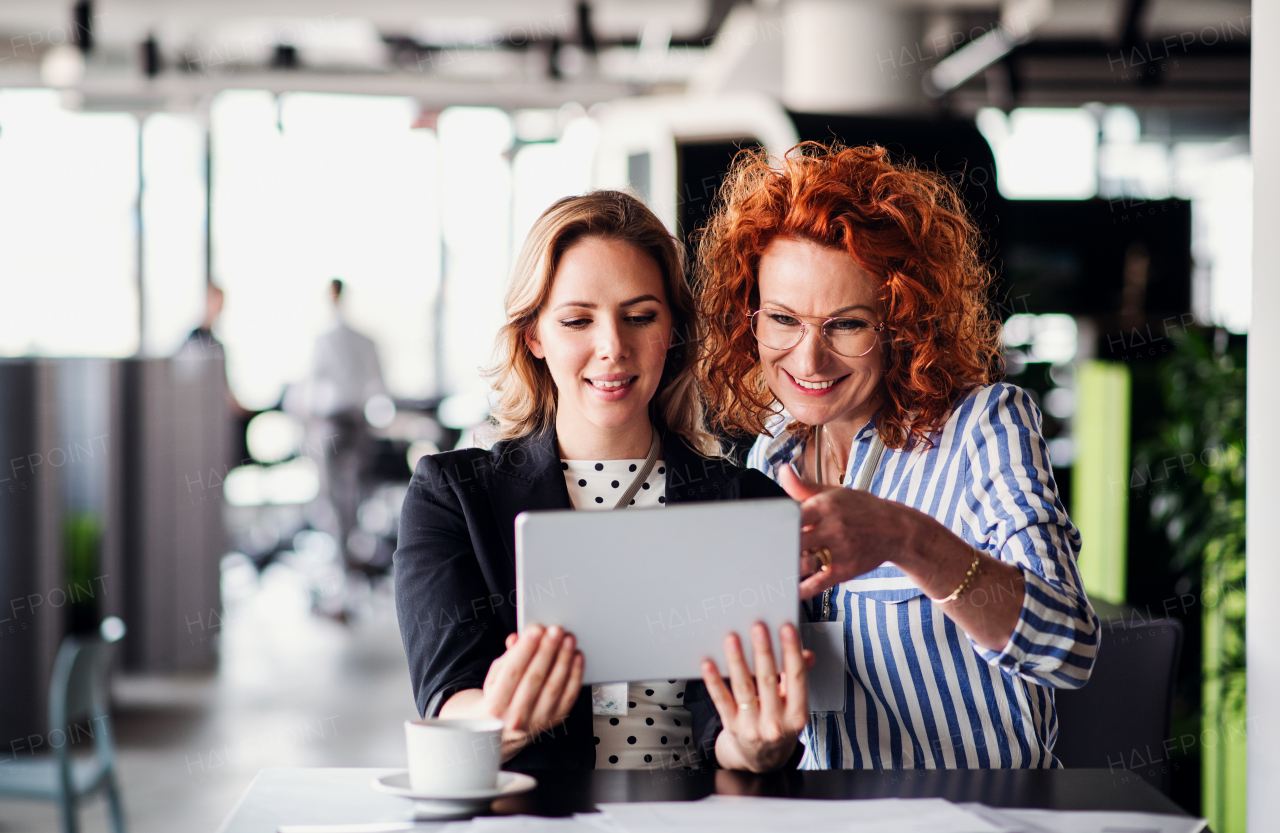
(657, 730)
(599, 485)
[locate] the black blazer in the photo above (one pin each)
(455, 574)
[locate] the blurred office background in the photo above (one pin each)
(171, 454)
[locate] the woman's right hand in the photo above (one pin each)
(530, 688)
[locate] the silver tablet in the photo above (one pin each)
(649, 592)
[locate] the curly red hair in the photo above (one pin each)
(906, 226)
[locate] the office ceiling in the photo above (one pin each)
(1162, 53)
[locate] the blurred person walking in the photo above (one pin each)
(202, 343)
(202, 338)
(345, 373)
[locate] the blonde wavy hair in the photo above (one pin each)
(527, 396)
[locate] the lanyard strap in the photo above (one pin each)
(655, 448)
(869, 466)
(874, 453)
(817, 453)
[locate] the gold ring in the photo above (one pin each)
(822, 554)
(751, 704)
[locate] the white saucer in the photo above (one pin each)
(453, 805)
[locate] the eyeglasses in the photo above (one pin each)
(848, 337)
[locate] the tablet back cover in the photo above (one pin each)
(649, 592)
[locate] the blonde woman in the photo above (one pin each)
(595, 377)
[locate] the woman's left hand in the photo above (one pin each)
(762, 716)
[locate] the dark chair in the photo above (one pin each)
(78, 700)
(1120, 720)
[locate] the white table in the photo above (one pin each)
(314, 796)
(339, 796)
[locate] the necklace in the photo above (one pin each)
(819, 436)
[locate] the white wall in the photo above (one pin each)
(1264, 443)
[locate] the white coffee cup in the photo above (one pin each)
(453, 756)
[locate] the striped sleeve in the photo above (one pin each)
(757, 458)
(1014, 513)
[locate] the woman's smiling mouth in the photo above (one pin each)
(612, 386)
(815, 387)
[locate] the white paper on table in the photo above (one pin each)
(580, 823)
(742, 814)
(1019, 820)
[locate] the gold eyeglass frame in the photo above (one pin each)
(804, 330)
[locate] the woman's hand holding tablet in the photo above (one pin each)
(762, 717)
(531, 687)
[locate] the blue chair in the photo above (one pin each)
(78, 695)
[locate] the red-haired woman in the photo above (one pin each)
(846, 309)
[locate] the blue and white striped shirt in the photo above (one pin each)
(919, 693)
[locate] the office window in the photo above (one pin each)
(1043, 153)
(173, 231)
(1218, 178)
(543, 172)
(311, 187)
(475, 179)
(67, 228)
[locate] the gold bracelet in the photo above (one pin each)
(968, 580)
